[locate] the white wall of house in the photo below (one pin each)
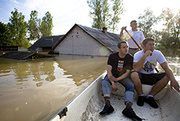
(77, 42)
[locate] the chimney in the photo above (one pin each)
(104, 29)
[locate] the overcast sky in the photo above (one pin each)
(68, 12)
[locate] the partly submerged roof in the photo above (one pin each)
(107, 39)
(46, 42)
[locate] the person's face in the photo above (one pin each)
(134, 25)
(149, 46)
(124, 48)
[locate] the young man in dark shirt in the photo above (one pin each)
(118, 69)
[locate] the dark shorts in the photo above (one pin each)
(151, 79)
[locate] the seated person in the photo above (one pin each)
(145, 62)
(118, 69)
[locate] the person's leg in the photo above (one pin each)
(159, 86)
(129, 90)
(128, 98)
(137, 82)
(135, 76)
(106, 89)
(159, 81)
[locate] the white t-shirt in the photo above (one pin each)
(151, 61)
(137, 35)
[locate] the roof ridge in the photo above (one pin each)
(96, 29)
(108, 34)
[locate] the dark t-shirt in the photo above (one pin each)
(120, 65)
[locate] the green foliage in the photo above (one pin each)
(117, 11)
(46, 25)
(171, 22)
(96, 13)
(147, 22)
(18, 29)
(169, 45)
(168, 38)
(33, 26)
(170, 35)
(4, 34)
(105, 14)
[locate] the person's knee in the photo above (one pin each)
(104, 82)
(134, 74)
(130, 87)
(135, 77)
(106, 87)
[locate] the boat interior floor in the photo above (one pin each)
(95, 106)
(146, 112)
(169, 106)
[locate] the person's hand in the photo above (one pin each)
(123, 28)
(148, 53)
(116, 79)
(175, 84)
(114, 87)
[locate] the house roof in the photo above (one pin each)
(46, 42)
(107, 39)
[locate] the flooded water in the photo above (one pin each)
(33, 90)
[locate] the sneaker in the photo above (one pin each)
(140, 101)
(128, 112)
(107, 110)
(151, 102)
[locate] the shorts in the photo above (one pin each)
(151, 79)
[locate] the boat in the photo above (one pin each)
(89, 103)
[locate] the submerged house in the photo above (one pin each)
(45, 44)
(82, 40)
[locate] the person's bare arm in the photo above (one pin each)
(111, 77)
(170, 75)
(142, 46)
(121, 33)
(139, 65)
(109, 73)
(123, 76)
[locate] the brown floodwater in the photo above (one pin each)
(33, 90)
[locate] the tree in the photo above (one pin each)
(104, 14)
(33, 26)
(147, 21)
(117, 11)
(95, 13)
(18, 29)
(170, 35)
(4, 35)
(46, 25)
(171, 22)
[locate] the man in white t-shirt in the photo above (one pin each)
(144, 65)
(137, 35)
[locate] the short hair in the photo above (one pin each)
(133, 21)
(146, 40)
(119, 44)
